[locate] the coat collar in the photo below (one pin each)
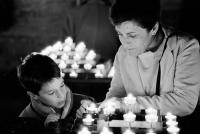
(169, 32)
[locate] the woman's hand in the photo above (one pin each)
(109, 106)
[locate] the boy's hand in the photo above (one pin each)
(51, 118)
(83, 108)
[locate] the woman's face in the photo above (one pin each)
(54, 92)
(134, 38)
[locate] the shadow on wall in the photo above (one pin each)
(189, 20)
(29, 25)
(7, 8)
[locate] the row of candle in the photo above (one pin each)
(172, 124)
(151, 115)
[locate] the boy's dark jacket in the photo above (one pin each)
(69, 117)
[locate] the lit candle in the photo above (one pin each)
(151, 111)
(88, 120)
(151, 118)
(129, 100)
(53, 56)
(150, 131)
(75, 65)
(171, 123)
(129, 116)
(173, 130)
(87, 66)
(98, 74)
(64, 57)
(69, 42)
(57, 46)
(47, 50)
(105, 130)
(73, 74)
(80, 47)
(77, 57)
(170, 116)
(100, 67)
(84, 130)
(67, 48)
(91, 55)
(128, 131)
(62, 65)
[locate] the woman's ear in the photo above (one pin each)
(32, 95)
(155, 29)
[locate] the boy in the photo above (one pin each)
(51, 99)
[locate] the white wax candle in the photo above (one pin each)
(77, 57)
(91, 55)
(98, 74)
(47, 50)
(88, 120)
(128, 131)
(73, 74)
(80, 47)
(173, 130)
(151, 118)
(170, 116)
(105, 130)
(151, 111)
(171, 123)
(150, 131)
(57, 46)
(64, 57)
(87, 66)
(129, 100)
(75, 65)
(129, 116)
(62, 65)
(84, 130)
(69, 41)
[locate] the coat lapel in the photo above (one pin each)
(166, 64)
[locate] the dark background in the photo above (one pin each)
(30, 25)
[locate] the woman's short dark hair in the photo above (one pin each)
(35, 70)
(144, 12)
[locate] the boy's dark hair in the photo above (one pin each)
(35, 70)
(145, 12)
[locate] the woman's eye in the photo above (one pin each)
(51, 93)
(62, 85)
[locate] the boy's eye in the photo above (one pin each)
(119, 34)
(131, 36)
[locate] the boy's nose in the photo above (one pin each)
(60, 94)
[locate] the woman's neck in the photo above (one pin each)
(157, 39)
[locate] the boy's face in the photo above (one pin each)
(53, 93)
(134, 38)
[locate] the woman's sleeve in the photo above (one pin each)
(183, 98)
(116, 88)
